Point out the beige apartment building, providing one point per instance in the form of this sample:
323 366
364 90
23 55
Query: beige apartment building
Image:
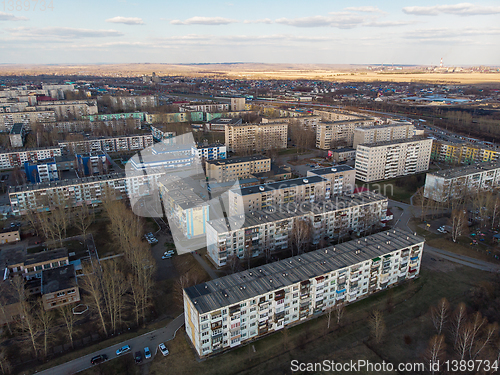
249 138
338 131
268 196
385 160
234 310
237 104
236 168
382 133
342 178
10 235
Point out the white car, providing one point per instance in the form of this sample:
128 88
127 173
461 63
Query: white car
163 349
169 252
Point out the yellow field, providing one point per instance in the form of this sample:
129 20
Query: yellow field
341 73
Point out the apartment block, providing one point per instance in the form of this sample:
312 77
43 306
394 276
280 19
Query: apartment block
160 132
212 107
296 191
462 152
108 144
7 120
184 207
237 104
92 164
219 124
342 178
338 131
233 310
69 109
248 138
9 235
236 168
385 160
133 103
30 266
452 183
333 116
17 135
211 152
383 133
41 171
117 116
12 159
59 287
168 118
86 190
271 230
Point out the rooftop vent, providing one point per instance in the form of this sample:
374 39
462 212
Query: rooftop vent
334 169
261 188
305 180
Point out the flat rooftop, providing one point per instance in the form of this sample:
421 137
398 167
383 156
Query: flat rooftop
17 128
385 126
329 170
243 159
466 170
395 142
241 286
344 149
60 278
257 218
282 185
45 256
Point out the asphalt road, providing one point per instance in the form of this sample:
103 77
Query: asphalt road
150 339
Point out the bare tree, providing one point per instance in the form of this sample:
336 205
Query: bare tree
457 321
377 325
339 311
301 235
84 218
464 339
439 314
5 296
69 321
114 287
435 351
458 224
91 283
28 323
5 365
46 320
489 332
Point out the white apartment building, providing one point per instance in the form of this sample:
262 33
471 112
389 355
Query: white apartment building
11 159
108 144
133 103
342 178
338 131
88 190
237 104
276 194
233 169
69 109
248 138
211 152
271 230
383 133
215 107
385 160
7 120
160 133
233 310
452 183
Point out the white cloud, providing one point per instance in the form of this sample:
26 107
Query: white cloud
366 9
338 20
264 20
60 32
462 9
10 17
388 23
126 20
204 21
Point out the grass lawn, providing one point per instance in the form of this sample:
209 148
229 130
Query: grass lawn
462 247
405 312
390 189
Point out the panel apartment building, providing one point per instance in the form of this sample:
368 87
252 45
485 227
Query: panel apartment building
265 232
108 144
263 197
339 131
383 133
249 138
462 152
230 311
69 109
88 190
452 183
385 160
342 177
236 168
7 120
12 159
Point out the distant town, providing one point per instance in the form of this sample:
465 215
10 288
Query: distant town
162 223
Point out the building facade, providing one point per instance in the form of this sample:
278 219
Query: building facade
59 287
236 168
230 311
344 154
237 104
453 183
249 138
382 133
385 160
108 144
7 120
211 152
328 133
13 159
265 232
342 178
41 171
462 152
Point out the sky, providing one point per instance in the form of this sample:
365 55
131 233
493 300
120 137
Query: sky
273 31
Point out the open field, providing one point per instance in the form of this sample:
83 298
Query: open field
327 72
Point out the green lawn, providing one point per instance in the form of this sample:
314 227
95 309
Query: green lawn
390 188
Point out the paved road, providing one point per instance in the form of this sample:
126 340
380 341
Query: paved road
150 339
401 221
206 267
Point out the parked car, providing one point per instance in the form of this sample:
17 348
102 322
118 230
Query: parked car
123 349
147 353
138 357
166 256
169 252
163 349
98 359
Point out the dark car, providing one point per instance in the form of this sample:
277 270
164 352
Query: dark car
98 359
138 357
